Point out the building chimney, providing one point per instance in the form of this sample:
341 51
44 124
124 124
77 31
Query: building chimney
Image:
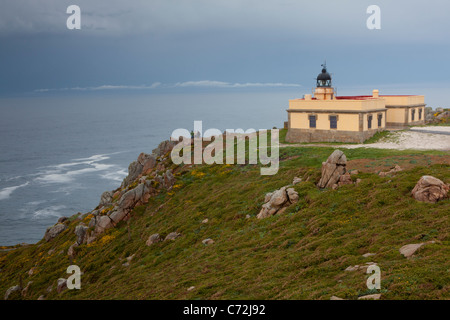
308 97
375 93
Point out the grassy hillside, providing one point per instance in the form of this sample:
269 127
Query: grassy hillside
300 254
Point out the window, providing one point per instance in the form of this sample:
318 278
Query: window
333 122
413 112
369 122
380 118
420 114
312 121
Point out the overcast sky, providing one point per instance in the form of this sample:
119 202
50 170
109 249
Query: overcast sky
164 45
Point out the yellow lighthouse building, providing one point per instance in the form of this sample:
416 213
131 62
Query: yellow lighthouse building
326 117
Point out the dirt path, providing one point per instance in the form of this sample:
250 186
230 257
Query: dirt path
401 140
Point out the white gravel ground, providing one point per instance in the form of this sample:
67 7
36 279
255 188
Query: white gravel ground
402 140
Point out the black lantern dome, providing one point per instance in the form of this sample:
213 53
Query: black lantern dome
324 78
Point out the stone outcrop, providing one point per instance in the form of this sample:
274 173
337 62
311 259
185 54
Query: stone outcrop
276 202
408 250
333 169
393 170
54 231
430 189
106 199
154 238
163 148
80 232
208 241
172 236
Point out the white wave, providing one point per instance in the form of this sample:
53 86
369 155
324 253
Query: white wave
115 175
58 176
95 157
5 193
49 211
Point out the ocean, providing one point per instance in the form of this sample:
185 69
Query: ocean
59 153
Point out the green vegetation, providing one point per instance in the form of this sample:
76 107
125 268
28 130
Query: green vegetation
300 254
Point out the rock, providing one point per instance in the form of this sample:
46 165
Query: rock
393 170
430 189
54 231
26 289
292 195
276 202
13 293
91 238
169 179
296 180
205 220
191 288
106 199
163 148
333 169
376 296
147 161
366 255
154 238
358 181
267 197
172 236
92 222
80 232
409 249
41 297
62 285
352 268
247 216
439 109
134 170
353 172
335 298
119 214
279 197
103 224
345 179
208 241
62 219
31 271
71 251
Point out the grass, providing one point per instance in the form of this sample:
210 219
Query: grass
300 254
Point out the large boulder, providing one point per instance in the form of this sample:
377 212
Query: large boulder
276 202
54 231
106 199
80 232
333 169
104 223
430 189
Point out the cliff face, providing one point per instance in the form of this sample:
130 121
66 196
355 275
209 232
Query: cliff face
192 232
